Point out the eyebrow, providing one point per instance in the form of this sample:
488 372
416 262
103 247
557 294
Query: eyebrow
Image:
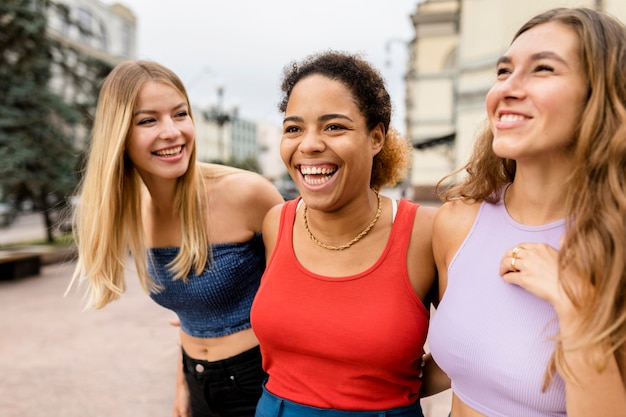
140 111
535 57
322 118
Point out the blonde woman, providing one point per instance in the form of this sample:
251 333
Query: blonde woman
193 231
531 246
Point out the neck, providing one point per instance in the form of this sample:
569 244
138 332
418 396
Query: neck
161 197
535 203
326 240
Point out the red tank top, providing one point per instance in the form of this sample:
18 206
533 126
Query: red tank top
347 343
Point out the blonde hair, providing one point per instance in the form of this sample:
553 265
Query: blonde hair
108 221
594 245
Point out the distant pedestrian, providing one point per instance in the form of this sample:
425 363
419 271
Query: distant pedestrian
342 311
531 245
192 229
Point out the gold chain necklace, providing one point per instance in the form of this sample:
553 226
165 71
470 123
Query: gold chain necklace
353 241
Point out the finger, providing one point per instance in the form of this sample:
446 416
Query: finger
508 265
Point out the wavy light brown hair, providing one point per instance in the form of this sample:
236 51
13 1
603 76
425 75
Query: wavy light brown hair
594 245
108 222
370 94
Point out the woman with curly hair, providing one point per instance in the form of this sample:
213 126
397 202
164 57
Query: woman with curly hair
531 245
341 314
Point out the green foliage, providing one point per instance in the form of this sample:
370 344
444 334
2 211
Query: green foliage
39 157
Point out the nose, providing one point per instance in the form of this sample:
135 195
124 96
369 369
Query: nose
311 142
168 129
512 87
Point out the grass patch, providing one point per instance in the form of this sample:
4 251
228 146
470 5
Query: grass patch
60 241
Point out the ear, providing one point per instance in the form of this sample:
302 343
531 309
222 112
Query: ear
377 136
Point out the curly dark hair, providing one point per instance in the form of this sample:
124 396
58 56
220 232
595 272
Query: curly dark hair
370 95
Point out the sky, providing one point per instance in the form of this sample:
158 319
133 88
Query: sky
243 45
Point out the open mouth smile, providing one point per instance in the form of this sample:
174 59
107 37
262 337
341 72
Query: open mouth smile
169 152
316 175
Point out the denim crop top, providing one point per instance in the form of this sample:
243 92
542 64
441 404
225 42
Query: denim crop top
216 302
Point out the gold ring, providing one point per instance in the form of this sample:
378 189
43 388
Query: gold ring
513 259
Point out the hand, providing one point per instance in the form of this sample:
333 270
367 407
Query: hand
181 400
534 267
434 380
425 358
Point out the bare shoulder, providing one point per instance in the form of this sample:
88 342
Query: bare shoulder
420 262
238 199
426 214
451 225
456 215
250 189
270 228
273 215
423 223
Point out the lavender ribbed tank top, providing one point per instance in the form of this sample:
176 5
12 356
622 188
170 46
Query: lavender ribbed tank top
492 338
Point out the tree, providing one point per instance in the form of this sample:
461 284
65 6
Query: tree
38 156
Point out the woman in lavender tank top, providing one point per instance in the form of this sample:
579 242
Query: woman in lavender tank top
541 208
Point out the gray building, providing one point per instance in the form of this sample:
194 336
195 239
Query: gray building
96 38
102 31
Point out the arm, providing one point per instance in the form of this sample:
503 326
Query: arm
267 203
181 395
254 197
420 262
434 380
600 393
270 230
592 391
423 272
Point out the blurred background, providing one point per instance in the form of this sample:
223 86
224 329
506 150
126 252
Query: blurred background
437 56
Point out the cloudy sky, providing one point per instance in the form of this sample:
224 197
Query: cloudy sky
243 45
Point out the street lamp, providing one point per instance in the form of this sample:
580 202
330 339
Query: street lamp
220 116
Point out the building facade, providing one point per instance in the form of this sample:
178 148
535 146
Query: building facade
102 31
96 37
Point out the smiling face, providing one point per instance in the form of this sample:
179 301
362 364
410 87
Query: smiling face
326 145
162 133
537 101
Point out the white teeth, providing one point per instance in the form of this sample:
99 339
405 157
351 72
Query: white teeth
326 173
511 118
316 181
170 152
316 171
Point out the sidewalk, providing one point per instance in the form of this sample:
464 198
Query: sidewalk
58 360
